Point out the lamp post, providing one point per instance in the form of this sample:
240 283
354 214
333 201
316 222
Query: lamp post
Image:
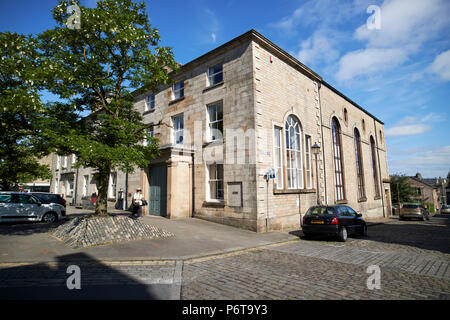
316 150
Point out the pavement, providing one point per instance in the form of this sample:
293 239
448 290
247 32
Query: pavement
31 243
210 261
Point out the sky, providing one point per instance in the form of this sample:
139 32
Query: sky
394 61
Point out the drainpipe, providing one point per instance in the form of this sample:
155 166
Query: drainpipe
125 198
319 84
379 168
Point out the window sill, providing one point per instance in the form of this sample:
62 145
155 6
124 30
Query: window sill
377 198
362 199
341 202
213 204
176 100
293 191
148 111
213 86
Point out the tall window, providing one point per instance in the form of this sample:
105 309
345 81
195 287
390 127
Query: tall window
150 133
337 155
294 153
58 162
308 162
85 185
215 112
65 162
278 157
74 158
112 185
150 102
359 165
215 181
178 90
178 126
70 187
215 74
374 167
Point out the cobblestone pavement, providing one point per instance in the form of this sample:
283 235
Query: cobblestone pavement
414 258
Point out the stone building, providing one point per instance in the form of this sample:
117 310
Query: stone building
247 111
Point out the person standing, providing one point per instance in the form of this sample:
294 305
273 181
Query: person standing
137 203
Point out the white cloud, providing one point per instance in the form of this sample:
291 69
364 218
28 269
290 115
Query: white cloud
318 47
405 27
369 61
407 130
413 125
431 163
213 37
441 65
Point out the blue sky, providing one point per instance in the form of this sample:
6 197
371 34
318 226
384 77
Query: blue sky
400 72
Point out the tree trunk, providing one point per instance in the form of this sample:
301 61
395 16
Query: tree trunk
101 207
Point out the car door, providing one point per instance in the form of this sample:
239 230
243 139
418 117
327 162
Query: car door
30 210
344 220
354 221
6 206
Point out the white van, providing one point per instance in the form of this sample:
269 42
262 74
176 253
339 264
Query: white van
19 206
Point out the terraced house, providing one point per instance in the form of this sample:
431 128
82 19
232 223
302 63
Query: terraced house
247 109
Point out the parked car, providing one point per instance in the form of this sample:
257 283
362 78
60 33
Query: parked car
337 220
413 211
49 198
445 209
19 206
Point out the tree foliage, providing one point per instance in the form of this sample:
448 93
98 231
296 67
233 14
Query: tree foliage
20 111
93 71
401 190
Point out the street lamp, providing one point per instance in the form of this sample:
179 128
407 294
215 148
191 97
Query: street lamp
316 150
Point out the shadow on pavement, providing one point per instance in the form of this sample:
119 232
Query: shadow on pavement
98 282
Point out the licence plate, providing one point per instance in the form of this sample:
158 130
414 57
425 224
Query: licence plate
317 222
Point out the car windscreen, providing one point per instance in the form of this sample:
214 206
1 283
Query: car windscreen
411 206
320 211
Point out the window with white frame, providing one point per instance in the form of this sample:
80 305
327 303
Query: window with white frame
112 185
215 181
150 133
85 185
58 162
70 187
278 157
308 162
215 74
150 102
178 90
74 158
178 126
294 153
337 155
215 112
65 162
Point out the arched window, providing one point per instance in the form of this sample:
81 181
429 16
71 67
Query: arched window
294 153
337 155
374 166
359 165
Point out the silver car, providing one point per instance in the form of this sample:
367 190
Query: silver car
18 206
445 209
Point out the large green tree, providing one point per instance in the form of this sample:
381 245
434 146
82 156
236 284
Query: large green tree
401 189
93 69
20 110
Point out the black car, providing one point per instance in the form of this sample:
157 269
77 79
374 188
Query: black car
51 198
337 220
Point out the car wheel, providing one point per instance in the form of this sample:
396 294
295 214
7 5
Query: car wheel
49 217
342 236
364 230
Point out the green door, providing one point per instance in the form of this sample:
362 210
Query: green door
157 180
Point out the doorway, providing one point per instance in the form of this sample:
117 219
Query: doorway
157 190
